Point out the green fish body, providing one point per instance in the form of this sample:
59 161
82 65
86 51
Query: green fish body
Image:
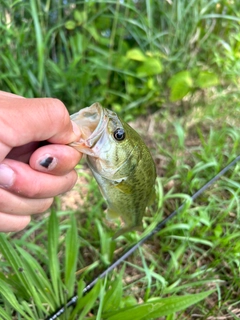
120 162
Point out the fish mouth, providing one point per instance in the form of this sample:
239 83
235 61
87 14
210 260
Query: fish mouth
91 121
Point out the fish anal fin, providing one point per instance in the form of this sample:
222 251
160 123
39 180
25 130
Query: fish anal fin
111 214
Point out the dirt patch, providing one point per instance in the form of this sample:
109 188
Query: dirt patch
75 198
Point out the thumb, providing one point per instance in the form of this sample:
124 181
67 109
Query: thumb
26 120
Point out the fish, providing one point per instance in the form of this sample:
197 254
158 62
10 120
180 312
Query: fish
120 162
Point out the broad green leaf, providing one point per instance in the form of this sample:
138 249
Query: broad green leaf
180 84
93 32
102 75
137 312
177 303
70 24
159 307
128 301
136 54
80 16
150 67
206 79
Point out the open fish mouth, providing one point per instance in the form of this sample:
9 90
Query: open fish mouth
91 121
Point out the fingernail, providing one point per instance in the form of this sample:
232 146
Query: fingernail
76 129
7 176
48 162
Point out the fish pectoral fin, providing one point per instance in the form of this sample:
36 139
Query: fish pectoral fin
111 214
124 186
81 147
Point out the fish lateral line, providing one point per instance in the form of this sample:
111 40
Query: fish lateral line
73 300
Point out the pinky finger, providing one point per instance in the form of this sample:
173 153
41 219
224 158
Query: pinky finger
12 222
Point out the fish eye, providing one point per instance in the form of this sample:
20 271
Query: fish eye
119 134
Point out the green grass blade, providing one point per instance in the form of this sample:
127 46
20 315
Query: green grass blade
53 238
113 296
15 262
25 270
107 245
87 302
38 279
71 255
8 295
193 240
39 40
4 314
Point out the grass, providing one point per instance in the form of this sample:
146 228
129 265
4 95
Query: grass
88 47
196 252
160 62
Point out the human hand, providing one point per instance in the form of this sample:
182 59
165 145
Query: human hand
31 174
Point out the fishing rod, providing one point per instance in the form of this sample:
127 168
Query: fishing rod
73 300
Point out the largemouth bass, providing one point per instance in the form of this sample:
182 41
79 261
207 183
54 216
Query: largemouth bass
120 162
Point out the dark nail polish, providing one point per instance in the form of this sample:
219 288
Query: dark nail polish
46 162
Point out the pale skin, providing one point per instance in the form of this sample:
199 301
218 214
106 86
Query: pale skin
31 174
